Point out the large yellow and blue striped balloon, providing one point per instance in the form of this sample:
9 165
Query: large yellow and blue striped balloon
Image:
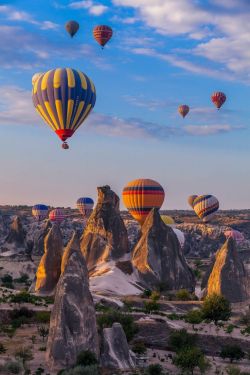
205 207
140 196
64 97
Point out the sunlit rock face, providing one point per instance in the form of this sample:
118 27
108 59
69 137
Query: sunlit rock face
73 320
158 258
16 234
49 268
228 276
115 350
105 236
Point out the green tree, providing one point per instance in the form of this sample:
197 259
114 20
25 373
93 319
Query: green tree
139 347
215 308
232 352
189 358
194 317
181 339
43 331
154 369
151 306
183 295
86 358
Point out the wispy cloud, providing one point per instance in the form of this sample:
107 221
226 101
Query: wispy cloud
93 8
205 130
151 105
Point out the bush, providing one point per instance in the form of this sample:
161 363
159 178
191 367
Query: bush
189 358
139 348
151 306
215 308
7 279
147 293
181 339
155 295
154 369
232 352
194 317
22 279
22 312
79 370
13 367
232 370
183 295
127 322
22 297
42 317
86 358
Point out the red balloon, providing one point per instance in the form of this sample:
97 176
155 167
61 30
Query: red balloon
183 110
102 34
218 98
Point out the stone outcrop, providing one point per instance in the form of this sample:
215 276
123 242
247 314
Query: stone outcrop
158 258
49 268
228 276
16 235
73 321
115 350
39 237
105 236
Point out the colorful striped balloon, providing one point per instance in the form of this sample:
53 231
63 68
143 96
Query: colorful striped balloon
191 199
102 34
85 205
40 211
205 207
140 196
235 234
183 110
57 215
218 98
64 98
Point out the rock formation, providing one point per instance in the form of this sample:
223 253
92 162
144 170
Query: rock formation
228 276
39 237
16 235
157 256
105 236
73 321
49 268
115 349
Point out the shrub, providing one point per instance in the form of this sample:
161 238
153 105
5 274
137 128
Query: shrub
42 317
127 322
232 370
22 297
147 293
151 306
181 339
215 308
183 295
139 347
43 331
154 369
7 279
194 317
22 279
155 296
189 358
13 367
22 312
232 352
86 358
79 370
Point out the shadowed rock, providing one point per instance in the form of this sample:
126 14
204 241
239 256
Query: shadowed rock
39 237
49 268
115 349
105 236
228 276
73 321
158 257
16 235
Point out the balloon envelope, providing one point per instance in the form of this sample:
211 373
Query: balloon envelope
64 97
235 234
102 34
40 211
35 77
218 98
206 206
57 215
72 27
85 205
183 110
168 220
140 196
191 199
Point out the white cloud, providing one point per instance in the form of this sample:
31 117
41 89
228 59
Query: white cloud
93 8
205 130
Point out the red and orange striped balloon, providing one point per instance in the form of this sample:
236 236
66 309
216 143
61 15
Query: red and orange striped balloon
102 34
140 196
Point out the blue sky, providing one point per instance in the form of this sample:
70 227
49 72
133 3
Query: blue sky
163 53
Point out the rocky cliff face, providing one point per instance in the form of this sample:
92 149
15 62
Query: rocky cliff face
39 237
158 258
228 276
105 236
115 349
49 268
16 234
73 321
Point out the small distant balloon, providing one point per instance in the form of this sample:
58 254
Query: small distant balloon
218 98
168 220
85 206
140 196
205 207
191 199
72 27
35 77
183 110
57 215
235 234
102 34
40 211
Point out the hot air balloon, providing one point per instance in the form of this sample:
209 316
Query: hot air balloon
183 110
65 146
85 206
64 99
72 27
205 207
140 196
102 34
181 236
40 211
218 98
57 215
35 77
168 220
191 199
235 234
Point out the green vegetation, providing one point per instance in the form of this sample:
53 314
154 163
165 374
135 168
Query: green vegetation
146 293
215 308
139 348
24 354
7 281
86 358
127 322
183 295
189 358
13 367
2 348
150 306
43 331
181 339
42 316
79 370
194 317
232 352
154 369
